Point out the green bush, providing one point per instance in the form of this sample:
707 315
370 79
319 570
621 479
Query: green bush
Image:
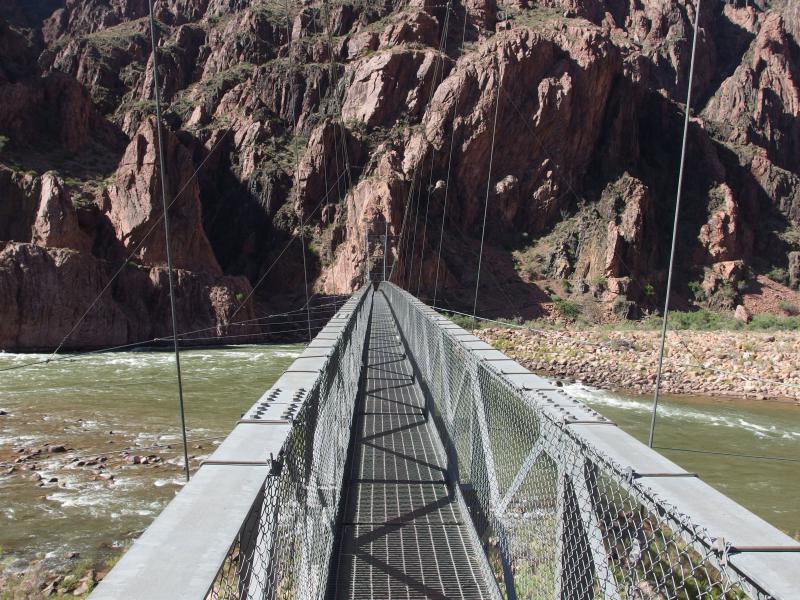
599 281
697 291
779 274
724 297
502 345
775 322
703 320
790 309
565 308
566 285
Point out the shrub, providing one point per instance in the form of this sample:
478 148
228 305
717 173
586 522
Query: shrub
565 308
790 309
775 322
724 297
566 285
464 321
599 281
704 320
697 290
779 274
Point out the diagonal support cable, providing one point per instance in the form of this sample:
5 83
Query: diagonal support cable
157 94
674 230
488 186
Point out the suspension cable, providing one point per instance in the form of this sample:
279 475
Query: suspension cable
162 167
327 306
674 229
449 164
293 101
488 185
438 73
282 252
406 274
337 103
139 245
410 271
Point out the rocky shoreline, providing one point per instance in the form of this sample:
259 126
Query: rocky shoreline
758 366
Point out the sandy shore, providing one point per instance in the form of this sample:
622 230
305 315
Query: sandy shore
763 366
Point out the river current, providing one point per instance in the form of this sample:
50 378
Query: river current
109 410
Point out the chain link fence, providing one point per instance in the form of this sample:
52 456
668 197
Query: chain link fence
564 504
285 547
556 516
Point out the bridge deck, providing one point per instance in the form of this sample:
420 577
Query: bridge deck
403 534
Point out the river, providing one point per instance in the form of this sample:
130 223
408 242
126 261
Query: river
99 405
747 449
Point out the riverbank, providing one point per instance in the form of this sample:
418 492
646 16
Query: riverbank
744 364
42 578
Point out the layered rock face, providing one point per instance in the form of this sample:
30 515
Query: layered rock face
341 120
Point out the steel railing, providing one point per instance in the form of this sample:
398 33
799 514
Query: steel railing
258 519
566 504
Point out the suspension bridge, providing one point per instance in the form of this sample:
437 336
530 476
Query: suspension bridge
401 457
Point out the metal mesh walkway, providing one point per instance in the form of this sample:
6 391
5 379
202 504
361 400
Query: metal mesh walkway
403 534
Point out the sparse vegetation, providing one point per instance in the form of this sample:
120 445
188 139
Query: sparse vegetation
502 345
698 293
598 282
790 309
779 275
724 297
37 581
566 309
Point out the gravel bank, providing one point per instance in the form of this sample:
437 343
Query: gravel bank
764 366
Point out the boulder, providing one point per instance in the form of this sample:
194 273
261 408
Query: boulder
741 314
794 270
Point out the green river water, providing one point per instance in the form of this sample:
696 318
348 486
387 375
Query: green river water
104 403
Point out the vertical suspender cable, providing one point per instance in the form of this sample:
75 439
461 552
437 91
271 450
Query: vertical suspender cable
407 274
488 187
293 100
449 166
410 276
436 72
157 94
674 229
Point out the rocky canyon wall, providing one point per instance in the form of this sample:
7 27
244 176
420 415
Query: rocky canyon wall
348 118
